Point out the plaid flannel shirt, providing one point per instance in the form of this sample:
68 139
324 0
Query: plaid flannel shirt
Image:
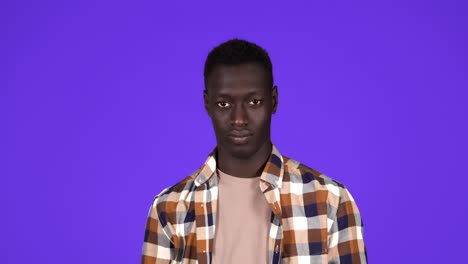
314 218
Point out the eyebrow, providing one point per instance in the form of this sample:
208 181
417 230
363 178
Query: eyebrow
248 94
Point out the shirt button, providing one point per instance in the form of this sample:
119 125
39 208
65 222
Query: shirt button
201 205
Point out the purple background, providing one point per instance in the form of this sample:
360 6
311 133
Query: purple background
101 107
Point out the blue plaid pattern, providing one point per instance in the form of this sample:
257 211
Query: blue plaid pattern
314 218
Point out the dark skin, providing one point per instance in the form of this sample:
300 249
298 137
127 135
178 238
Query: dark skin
240 102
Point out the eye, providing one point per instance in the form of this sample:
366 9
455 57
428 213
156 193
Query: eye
255 102
223 104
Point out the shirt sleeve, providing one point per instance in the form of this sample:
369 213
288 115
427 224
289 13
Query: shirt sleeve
345 236
156 245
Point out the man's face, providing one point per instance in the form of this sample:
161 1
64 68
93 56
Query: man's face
240 102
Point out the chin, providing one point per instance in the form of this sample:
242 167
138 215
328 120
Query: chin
242 152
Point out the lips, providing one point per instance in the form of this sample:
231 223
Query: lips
239 137
240 133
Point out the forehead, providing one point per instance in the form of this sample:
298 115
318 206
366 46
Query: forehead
251 77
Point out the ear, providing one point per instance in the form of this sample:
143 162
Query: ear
206 101
274 98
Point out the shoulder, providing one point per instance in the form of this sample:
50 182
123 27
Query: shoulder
312 180
167 199
307 174
316 188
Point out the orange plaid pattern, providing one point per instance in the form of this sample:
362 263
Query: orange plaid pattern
314 219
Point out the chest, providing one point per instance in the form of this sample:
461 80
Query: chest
296 230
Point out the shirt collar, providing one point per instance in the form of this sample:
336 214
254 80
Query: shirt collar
272 173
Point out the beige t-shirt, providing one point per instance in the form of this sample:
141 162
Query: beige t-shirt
242 223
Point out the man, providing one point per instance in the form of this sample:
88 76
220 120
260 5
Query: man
248 203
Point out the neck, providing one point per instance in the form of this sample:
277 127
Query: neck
241 167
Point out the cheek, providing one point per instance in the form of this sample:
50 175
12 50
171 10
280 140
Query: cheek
261 119
265 127
219 121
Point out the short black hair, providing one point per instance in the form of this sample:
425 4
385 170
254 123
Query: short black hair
237 51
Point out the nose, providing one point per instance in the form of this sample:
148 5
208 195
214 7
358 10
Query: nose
239 116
